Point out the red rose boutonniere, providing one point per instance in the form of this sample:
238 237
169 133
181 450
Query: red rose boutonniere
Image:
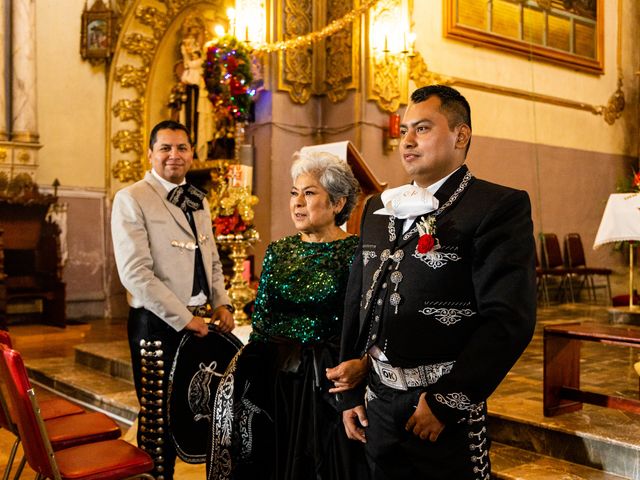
427 230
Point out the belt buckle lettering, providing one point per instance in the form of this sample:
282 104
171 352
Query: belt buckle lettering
392 376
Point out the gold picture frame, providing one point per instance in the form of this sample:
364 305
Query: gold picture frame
565 32
98 32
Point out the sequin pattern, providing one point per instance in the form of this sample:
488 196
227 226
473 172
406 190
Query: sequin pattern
302 289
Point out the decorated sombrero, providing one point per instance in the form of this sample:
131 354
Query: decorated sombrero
197 368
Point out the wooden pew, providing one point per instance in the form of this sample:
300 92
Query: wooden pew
32 274
561 384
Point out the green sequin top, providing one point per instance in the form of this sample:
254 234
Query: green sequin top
302 289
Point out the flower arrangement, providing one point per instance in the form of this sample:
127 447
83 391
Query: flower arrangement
228 77
629 184
427 231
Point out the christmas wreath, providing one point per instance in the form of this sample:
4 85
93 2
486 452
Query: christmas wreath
227 76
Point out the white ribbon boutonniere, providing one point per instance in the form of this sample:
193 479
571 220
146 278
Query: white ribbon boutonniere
407 201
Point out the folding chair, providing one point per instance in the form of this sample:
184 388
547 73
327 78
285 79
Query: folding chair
54 407
107 460
574 255
553 264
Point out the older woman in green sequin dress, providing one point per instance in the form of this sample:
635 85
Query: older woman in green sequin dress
273 415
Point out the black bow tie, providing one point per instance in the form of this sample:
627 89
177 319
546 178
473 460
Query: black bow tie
187 197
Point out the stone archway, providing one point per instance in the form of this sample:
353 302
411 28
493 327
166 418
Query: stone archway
140 79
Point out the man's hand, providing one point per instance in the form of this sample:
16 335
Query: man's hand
348 374
198 327
423 422
223 319
354 420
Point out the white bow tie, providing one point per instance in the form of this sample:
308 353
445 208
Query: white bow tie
407 201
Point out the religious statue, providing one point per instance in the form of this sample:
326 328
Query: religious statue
189 101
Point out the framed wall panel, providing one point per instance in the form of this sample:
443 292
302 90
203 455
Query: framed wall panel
565 32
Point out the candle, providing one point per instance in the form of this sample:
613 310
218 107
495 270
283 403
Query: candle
246 34
394 125
386 47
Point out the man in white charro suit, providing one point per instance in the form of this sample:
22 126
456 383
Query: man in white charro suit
168 262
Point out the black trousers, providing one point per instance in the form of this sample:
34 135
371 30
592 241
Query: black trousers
461 451
153 345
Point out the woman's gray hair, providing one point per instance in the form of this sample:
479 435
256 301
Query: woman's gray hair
333 173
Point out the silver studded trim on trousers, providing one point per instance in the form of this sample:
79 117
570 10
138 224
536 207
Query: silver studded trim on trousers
151 419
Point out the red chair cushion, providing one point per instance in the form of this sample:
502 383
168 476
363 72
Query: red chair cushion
56 407
110 460
65 432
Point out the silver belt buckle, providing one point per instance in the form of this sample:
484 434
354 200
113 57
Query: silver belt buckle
391 376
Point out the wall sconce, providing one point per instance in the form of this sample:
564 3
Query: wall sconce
390 47
251 22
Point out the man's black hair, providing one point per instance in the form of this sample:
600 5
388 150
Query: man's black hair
452 105
167 125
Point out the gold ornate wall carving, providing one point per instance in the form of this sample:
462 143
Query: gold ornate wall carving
326 66
342 49
144 25
296 66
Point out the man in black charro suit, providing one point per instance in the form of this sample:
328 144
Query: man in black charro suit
441 297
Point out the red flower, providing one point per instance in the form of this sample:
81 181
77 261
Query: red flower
425 243
636 180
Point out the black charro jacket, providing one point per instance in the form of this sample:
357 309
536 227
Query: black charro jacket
472 300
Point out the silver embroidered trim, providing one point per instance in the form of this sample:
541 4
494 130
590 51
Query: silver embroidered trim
392 228
459 401
448 316
222 425
435 259
369 395
463 185
368 255
245 411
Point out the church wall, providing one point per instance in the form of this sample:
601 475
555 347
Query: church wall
71 121
71 100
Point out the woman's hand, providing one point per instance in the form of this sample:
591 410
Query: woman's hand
348 374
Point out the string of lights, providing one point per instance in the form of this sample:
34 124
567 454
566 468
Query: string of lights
330 29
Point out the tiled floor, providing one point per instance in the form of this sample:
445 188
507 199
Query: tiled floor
604 368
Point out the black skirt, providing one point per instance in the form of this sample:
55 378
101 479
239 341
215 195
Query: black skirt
273 418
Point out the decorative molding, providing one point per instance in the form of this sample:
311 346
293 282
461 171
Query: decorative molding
153 18
128 141
126 109
420 74
342 49
133 77
295 72
141 45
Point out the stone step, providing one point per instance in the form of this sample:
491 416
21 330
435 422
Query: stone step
603 439
110 358
89 386
511 463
